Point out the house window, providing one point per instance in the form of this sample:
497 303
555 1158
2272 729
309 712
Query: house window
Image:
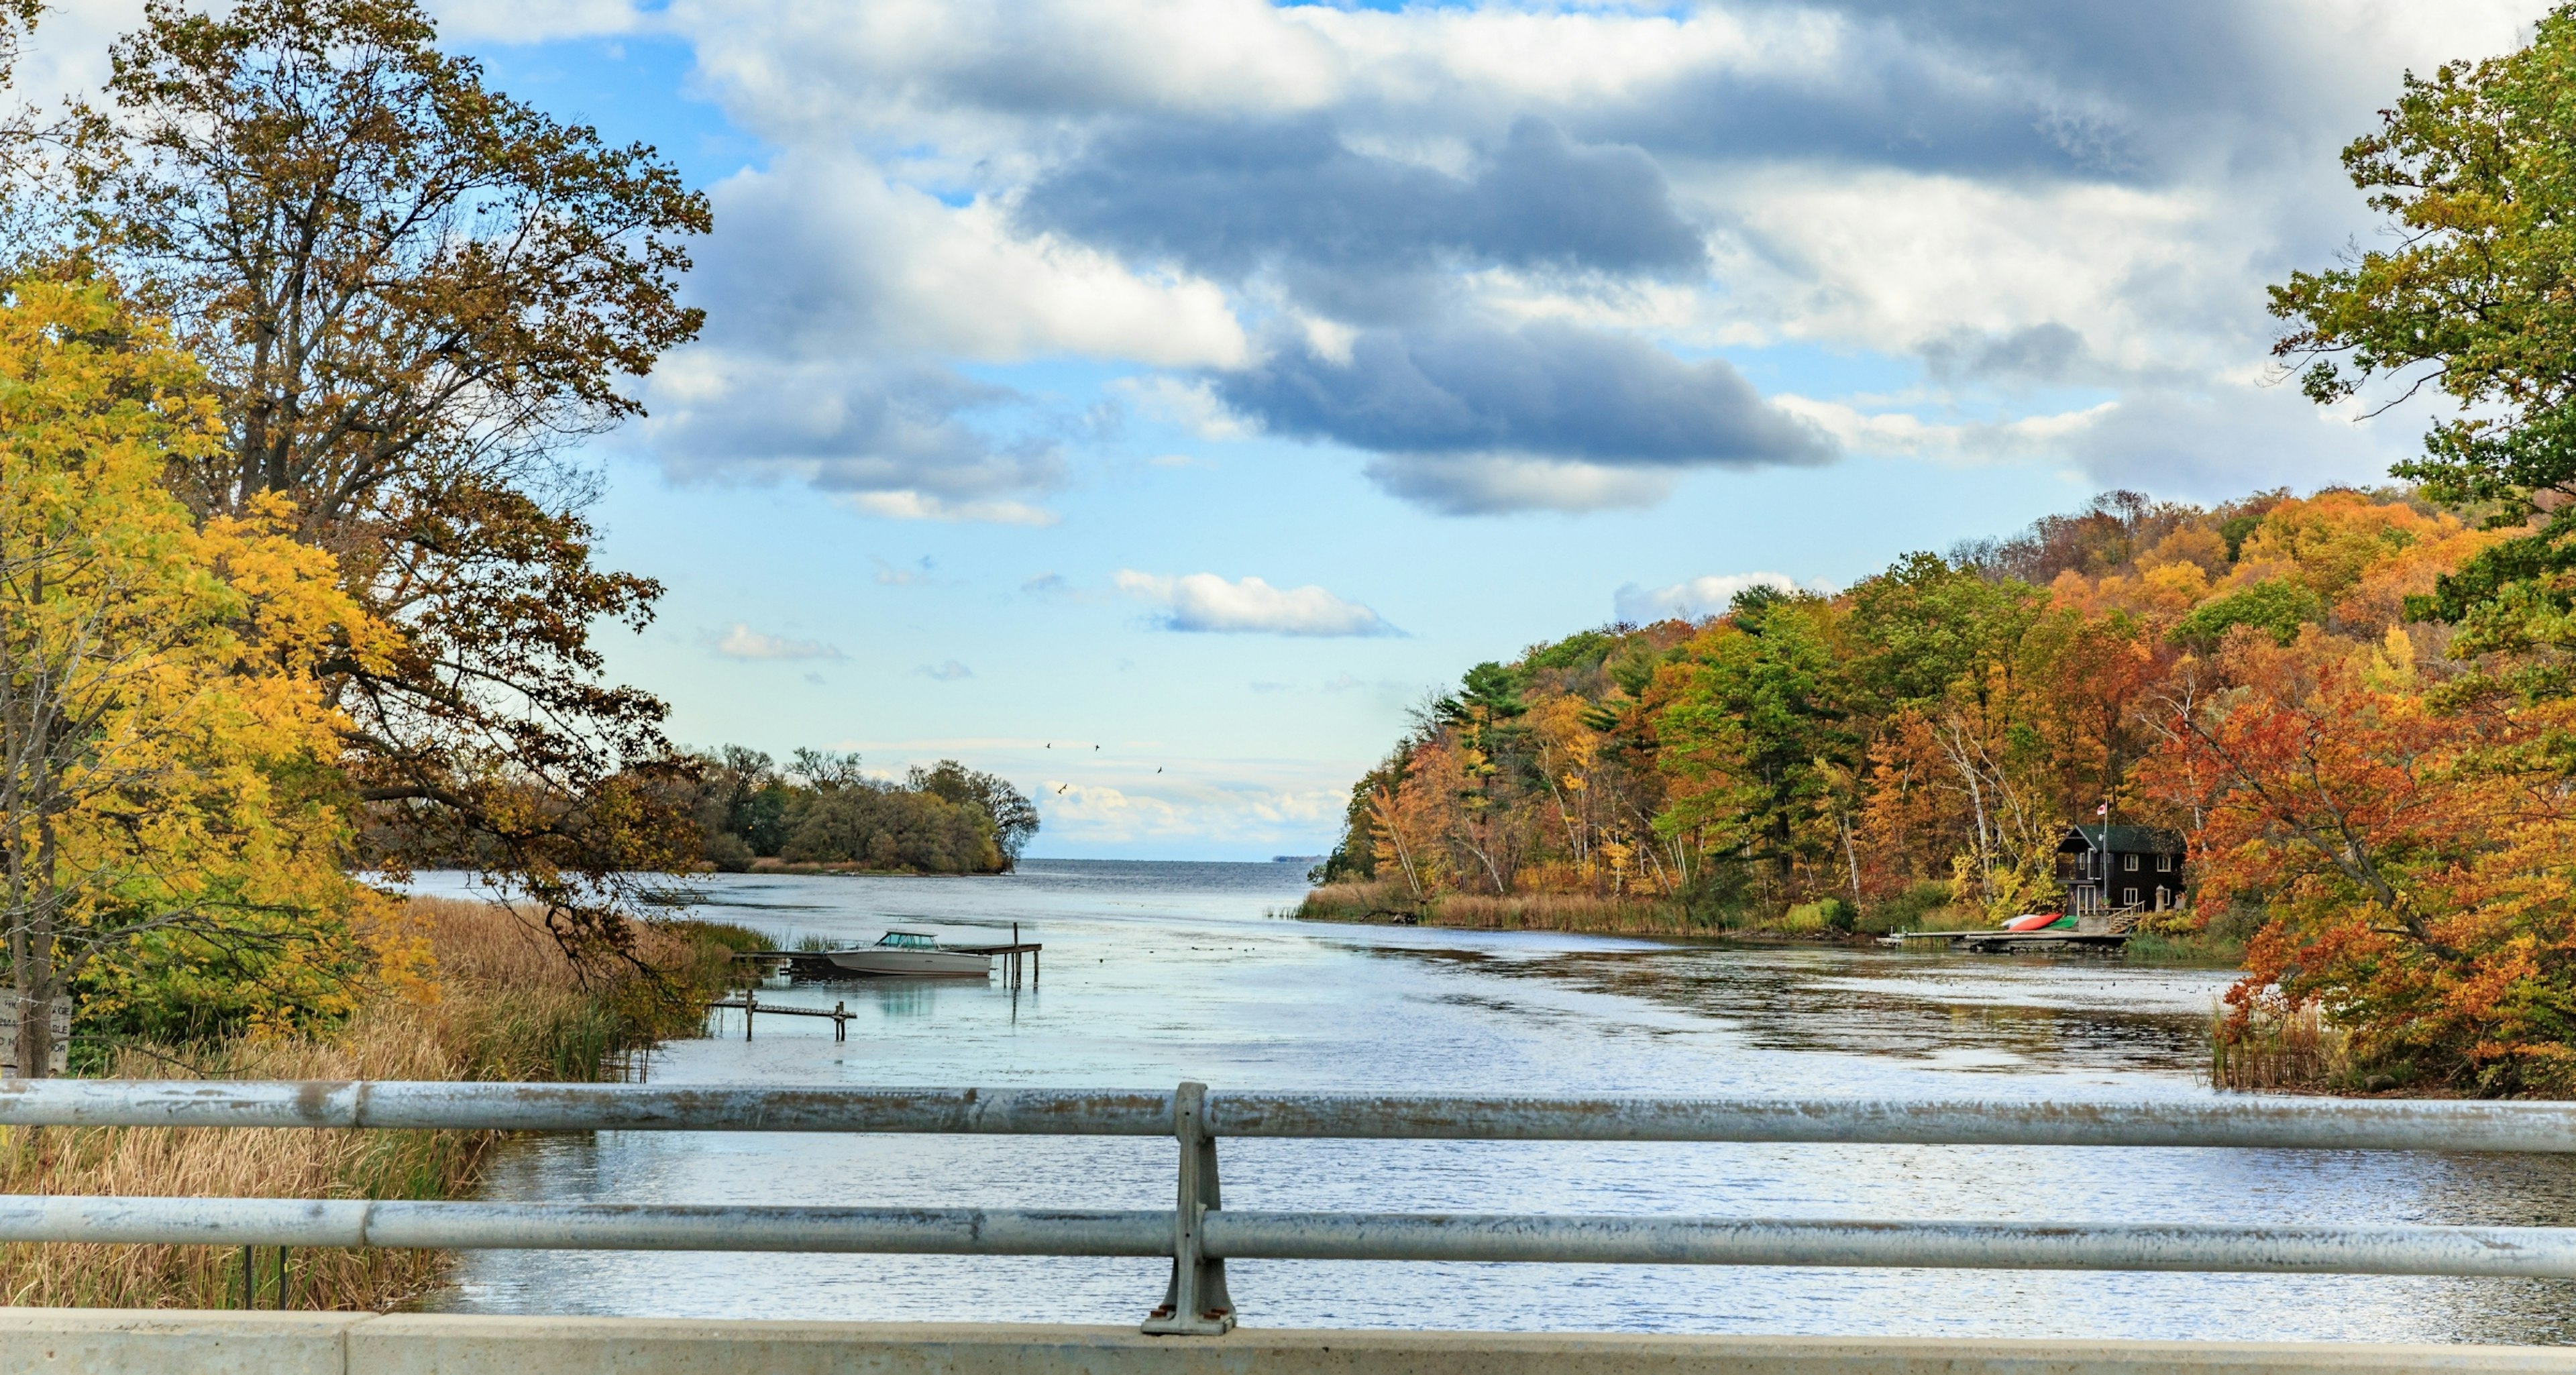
2129 897
2132 865
2164 864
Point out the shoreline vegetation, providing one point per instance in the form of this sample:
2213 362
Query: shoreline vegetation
2365 786
1640 915
500 1001
821 813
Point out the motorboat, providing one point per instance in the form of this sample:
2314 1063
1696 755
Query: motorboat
913 954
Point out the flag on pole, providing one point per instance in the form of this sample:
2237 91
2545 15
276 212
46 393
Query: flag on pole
2103 810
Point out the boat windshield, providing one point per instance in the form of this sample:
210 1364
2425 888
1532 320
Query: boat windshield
908 940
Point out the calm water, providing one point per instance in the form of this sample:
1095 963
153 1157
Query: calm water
1158 972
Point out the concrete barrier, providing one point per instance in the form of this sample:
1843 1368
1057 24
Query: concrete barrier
128 1342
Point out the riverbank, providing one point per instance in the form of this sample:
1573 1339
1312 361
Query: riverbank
504 1003
1577 913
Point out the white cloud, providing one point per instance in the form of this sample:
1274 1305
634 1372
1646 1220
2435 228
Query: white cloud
1192 405
1902 433
1495 484
821 254
743 642
1698 598
794 71
947 672
1103 814
534 21
911 505
1205 602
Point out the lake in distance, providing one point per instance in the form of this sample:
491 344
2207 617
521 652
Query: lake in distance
1158 972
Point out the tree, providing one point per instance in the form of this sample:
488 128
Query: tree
1014 817
2476 168
410 293
1758 730
2412 860
164 748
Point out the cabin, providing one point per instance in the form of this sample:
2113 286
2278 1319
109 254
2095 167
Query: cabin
2107 868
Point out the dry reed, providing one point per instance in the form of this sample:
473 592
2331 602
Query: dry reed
2298 1053
507 1004
1626 915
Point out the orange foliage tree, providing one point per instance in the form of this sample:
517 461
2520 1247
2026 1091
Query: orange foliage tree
2409 849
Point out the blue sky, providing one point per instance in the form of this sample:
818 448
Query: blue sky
1149 399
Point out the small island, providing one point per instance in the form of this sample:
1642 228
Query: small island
823 814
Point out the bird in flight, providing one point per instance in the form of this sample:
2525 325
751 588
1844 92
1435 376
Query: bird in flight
1158 769
1061 787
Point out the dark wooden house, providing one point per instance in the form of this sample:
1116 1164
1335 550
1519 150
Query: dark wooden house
2107 868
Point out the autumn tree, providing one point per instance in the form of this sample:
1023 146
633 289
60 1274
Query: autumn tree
1013 818
2411 860
411 294
1755 732
2474 170
165 789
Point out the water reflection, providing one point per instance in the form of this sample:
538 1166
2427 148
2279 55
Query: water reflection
904 998
1155 973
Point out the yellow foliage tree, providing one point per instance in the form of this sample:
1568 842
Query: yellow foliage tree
170 817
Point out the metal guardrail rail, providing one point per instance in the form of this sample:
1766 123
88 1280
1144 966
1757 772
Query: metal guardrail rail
1200 1235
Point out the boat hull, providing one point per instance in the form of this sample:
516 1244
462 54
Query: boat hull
878 962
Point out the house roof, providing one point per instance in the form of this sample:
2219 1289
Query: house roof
2127 840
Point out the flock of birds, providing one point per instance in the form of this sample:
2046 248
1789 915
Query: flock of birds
1060 787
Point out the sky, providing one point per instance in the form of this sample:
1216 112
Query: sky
1150 400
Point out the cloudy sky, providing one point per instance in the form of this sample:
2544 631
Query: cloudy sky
1147 399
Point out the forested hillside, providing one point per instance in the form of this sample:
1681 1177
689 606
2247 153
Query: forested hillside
2374 796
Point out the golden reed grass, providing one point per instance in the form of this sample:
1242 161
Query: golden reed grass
1632 916
506 1004
2298 1053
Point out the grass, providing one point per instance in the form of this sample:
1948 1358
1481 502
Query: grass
2185 948
2299 1053
506 1005
1383 902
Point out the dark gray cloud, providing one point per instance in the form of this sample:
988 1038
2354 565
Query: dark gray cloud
2016 88
851 428
1548 391
1228 199
2037 353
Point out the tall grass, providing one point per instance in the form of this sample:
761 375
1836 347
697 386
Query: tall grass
2299 1053
506 1005
1382 902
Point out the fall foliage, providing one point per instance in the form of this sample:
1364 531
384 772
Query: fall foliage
174 830
2371 808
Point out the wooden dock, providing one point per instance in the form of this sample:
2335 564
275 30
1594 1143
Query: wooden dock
749 1006
1998 942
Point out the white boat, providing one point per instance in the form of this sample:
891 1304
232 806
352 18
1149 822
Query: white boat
911 953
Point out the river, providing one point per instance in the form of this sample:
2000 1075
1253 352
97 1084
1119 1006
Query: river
1158 972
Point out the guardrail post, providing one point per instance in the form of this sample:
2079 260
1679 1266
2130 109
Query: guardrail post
1195 1303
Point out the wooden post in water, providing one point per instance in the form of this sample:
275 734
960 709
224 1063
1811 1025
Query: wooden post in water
750 997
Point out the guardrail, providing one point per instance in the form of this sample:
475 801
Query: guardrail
1200 1235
